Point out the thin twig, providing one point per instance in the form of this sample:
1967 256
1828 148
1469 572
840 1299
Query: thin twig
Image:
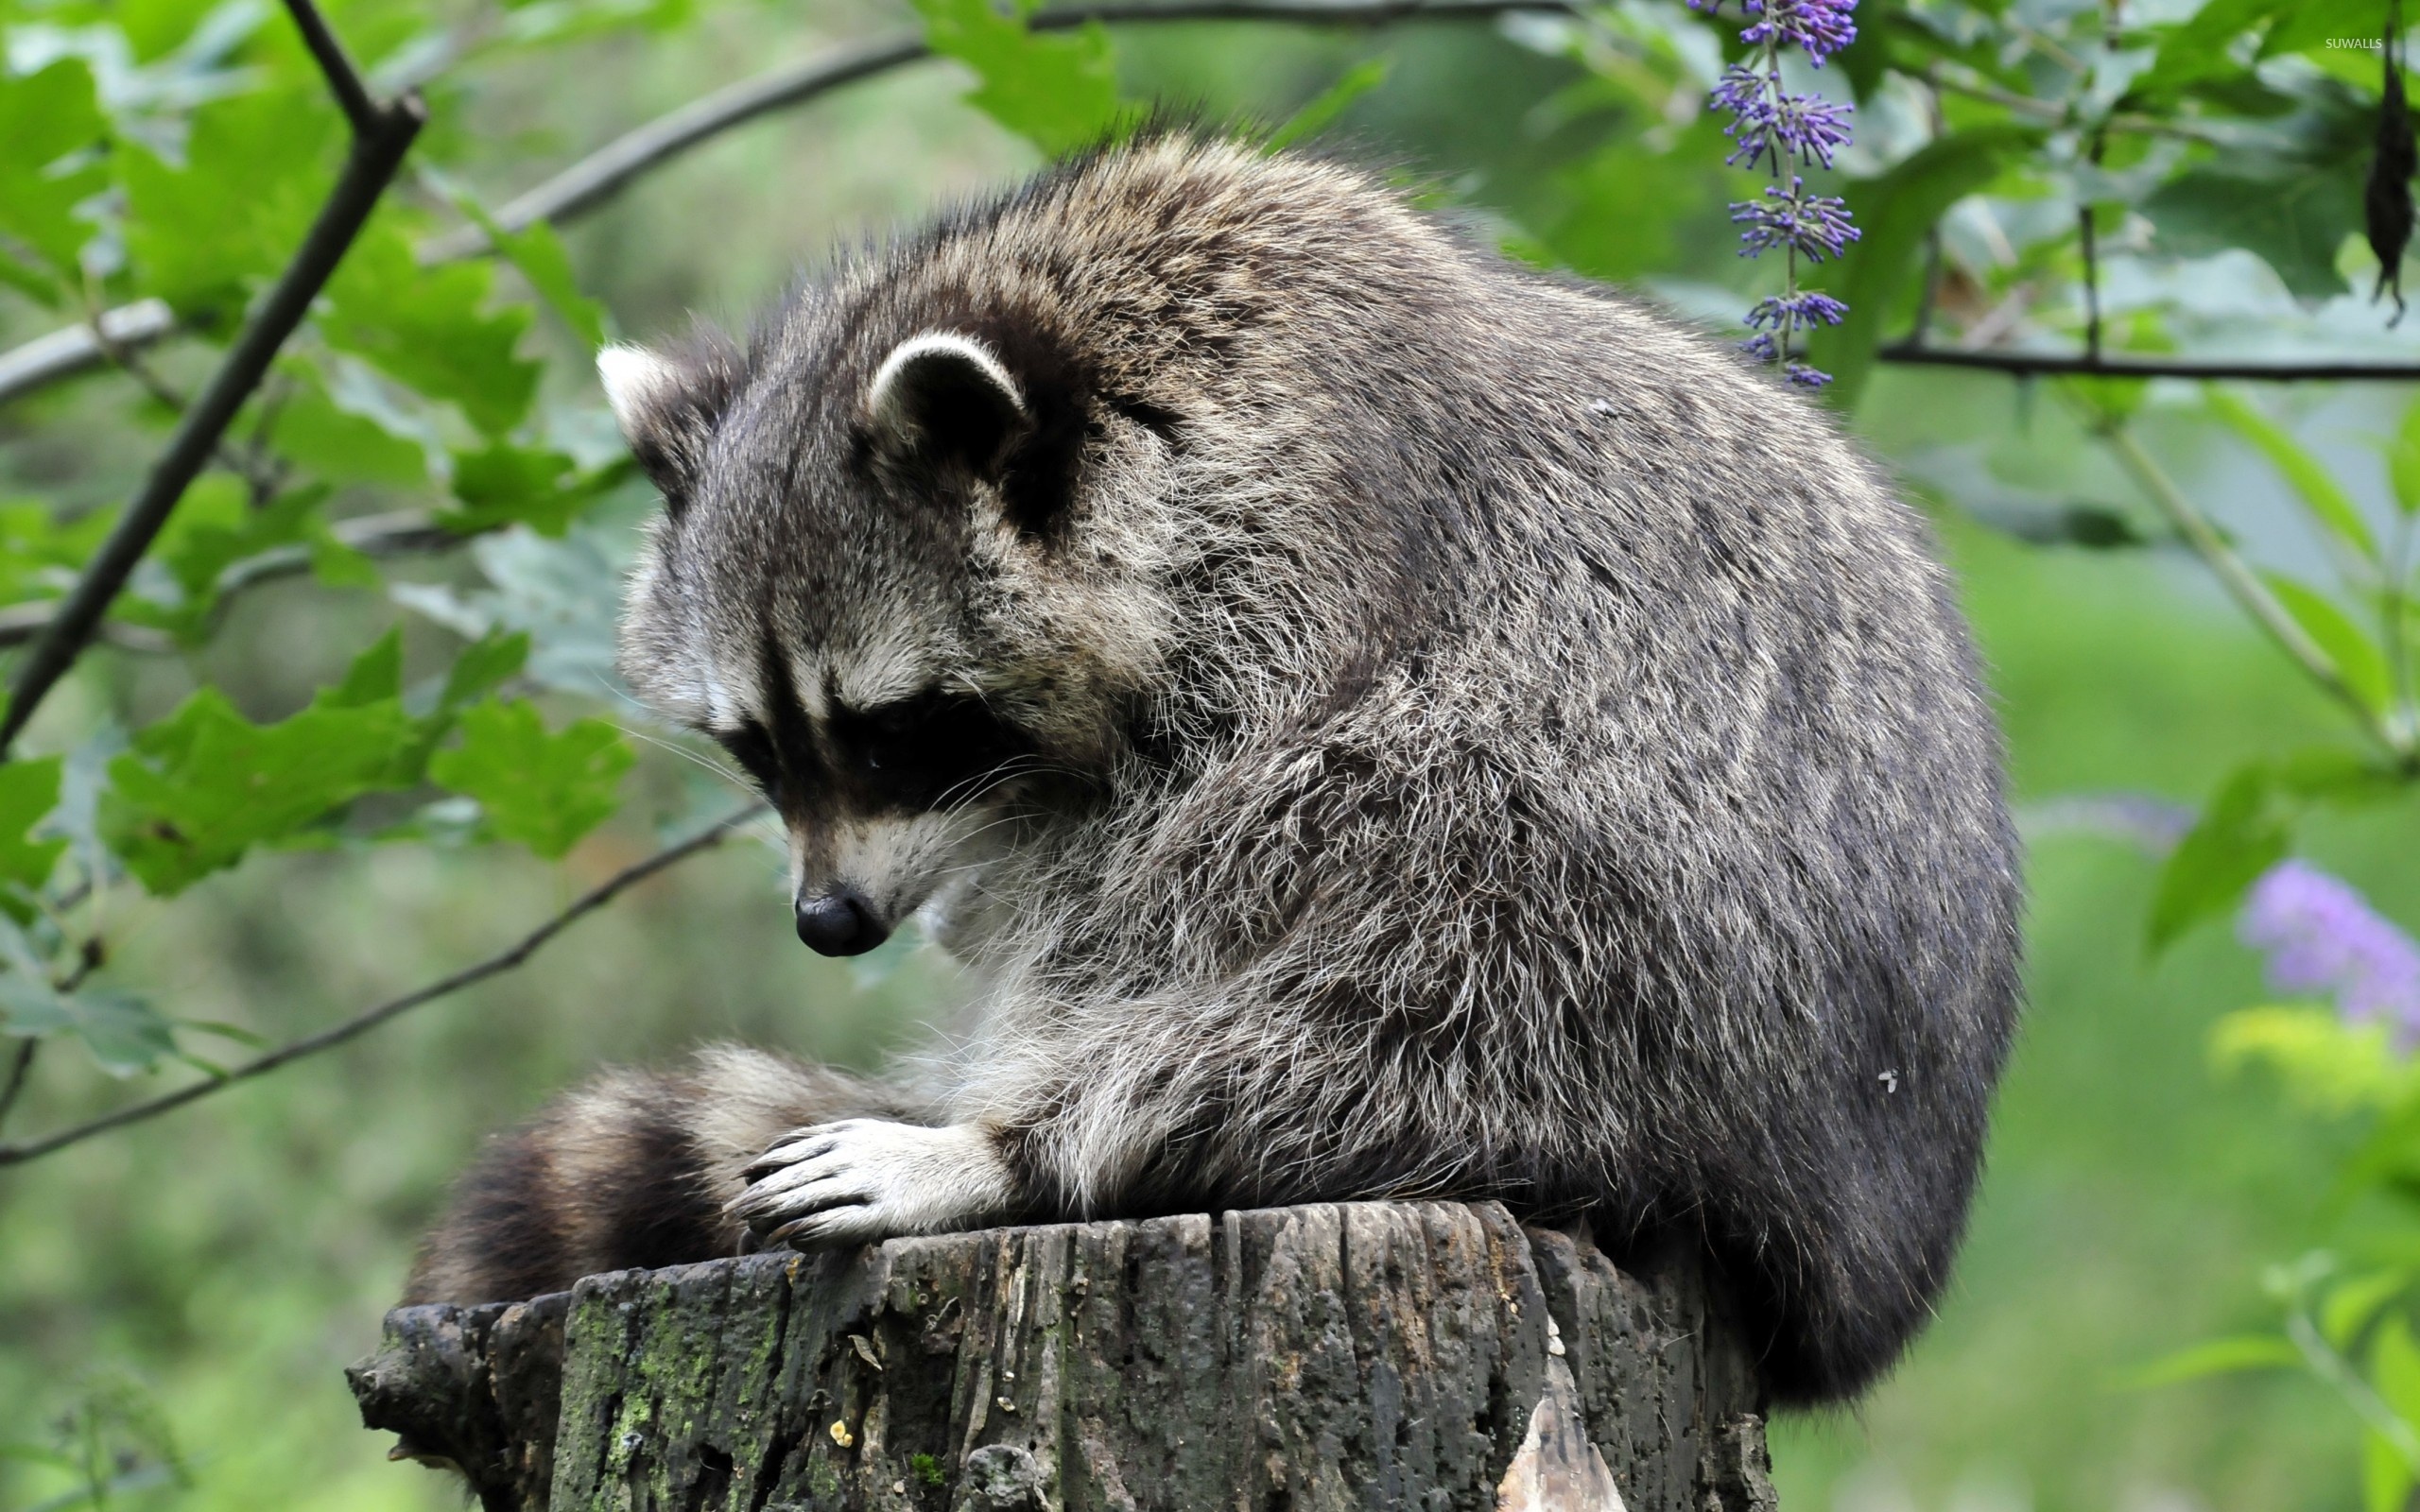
392 534
2058 113
2090 242
19 1066
2245 586
261 479
70 350
2051 364
368 1019
2334 1370
344 80
378 150
1928 292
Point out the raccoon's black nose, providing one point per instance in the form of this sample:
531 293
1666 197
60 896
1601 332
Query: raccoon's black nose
840 923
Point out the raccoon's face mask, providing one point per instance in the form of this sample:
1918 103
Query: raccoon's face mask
852 591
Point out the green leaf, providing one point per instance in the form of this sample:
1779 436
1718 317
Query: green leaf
2289 195
2403 460
216 526
200 788
2329 1066
40 556
428 328
1321 111
2394 1375
258 166
2219 1357
2358 662
2238 838
1587 219
2386 1475
507 485
2111 400
2353 1304
484 666
339 565
1057 91
377 675
539 255
317 433
37 1455
46 117
2201 47
28 791
1894 210
2317 485
2340 778
125 1034
544 791
2311 26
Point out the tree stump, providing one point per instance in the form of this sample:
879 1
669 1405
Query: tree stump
1366 1355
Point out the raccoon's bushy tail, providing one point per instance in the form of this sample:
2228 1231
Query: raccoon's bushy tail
630 1172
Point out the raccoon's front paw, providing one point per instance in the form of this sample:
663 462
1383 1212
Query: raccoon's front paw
863 1178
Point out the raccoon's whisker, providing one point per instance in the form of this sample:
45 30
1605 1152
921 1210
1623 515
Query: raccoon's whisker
990 780
686 753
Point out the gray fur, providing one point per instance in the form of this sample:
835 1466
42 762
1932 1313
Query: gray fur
1456 733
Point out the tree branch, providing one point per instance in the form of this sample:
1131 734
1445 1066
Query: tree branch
368 1019
344 81
381 139
2082 365
391 534
19 1066
70 350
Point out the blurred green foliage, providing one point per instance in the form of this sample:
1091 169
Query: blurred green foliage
354 722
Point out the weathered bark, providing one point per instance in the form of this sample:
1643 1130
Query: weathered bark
1366 1355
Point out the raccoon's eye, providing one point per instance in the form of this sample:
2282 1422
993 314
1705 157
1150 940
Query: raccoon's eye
928 749
752 748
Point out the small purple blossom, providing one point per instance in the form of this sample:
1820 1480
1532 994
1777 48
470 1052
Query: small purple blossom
1814 226
1817 27
1740 88
1771 124
2321 937
1779 311
1804 376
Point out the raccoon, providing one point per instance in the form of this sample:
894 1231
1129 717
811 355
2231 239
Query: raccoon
1376 720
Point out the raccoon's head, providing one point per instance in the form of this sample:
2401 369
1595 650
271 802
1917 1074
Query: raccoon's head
887 582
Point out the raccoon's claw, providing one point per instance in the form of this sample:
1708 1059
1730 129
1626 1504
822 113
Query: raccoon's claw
782 1156
863 1180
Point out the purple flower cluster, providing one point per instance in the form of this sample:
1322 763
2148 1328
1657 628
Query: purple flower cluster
2321 936
1781 129
1766 125
1817 27
1776 313
1814 226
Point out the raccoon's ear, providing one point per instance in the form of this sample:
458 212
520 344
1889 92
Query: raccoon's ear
943 397
669 405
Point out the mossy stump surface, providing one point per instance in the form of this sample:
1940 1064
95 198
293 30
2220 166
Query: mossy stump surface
1367 1355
